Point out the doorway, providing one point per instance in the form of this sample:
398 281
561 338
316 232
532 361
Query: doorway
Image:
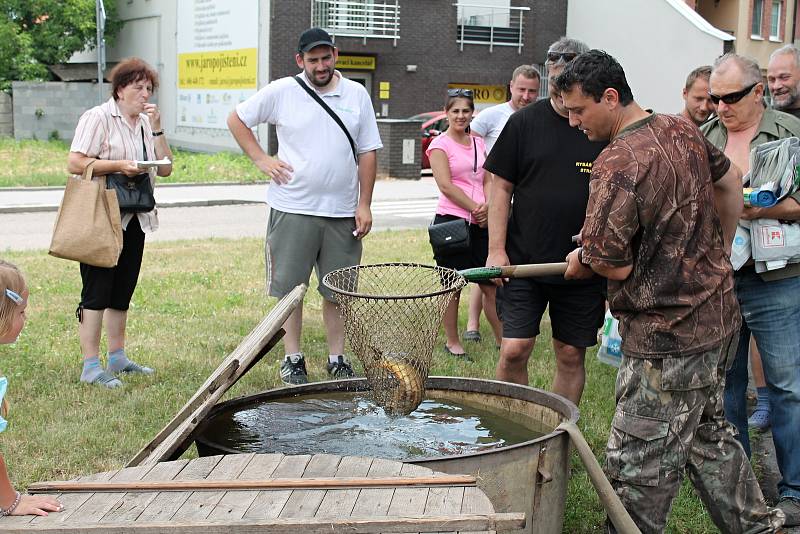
364 78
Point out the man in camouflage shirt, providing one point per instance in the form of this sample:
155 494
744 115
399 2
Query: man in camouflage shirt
660 201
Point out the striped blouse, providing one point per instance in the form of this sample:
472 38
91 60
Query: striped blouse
103 133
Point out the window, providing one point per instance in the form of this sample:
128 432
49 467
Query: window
775 20
758 15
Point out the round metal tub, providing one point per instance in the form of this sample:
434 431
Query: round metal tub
529 477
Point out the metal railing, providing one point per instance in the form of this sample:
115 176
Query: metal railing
368 19
490 25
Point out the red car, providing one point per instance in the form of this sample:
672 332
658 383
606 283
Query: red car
434 123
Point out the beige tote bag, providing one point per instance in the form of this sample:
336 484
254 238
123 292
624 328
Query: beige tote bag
88 228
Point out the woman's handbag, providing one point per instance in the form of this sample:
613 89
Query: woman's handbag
88 227
450 237
134 193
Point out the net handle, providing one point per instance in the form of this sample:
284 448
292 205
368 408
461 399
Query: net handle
479 274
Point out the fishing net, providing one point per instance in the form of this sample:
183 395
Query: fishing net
392 313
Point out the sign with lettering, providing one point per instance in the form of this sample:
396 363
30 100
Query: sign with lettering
217 59
355 62
483 94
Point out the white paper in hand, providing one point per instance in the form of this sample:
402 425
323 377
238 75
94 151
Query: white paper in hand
153 163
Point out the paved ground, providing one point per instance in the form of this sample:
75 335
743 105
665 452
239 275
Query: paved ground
198 212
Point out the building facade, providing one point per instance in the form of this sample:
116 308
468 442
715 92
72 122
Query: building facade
658 42
760 26
211 54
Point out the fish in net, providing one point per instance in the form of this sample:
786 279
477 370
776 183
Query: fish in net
392 313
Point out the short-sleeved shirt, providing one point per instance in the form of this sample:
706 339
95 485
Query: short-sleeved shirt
103 133
490 122
652 205
549 162
466 172
325 177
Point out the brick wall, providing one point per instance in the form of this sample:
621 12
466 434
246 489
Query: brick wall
394 132
428 40
6 115
46 109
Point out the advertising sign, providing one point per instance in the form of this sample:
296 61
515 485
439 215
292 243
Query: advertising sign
484 94
217 59
355 62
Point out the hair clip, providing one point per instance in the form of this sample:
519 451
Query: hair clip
14 296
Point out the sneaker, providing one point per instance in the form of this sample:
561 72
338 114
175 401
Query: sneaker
760 420
294 372
340 369
472 335
791 509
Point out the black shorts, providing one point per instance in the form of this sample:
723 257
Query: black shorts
576 310
478 247
113 287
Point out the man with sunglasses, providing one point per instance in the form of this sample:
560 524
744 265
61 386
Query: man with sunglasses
544 164
770 302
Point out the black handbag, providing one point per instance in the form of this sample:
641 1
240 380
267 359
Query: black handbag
450 237
134 193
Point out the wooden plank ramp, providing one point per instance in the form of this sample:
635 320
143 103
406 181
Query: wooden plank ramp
308 497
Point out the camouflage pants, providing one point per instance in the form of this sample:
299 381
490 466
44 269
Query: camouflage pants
669 419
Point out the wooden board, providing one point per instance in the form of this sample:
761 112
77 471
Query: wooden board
310 511
260 340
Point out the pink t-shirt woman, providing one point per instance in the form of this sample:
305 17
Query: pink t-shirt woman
466 172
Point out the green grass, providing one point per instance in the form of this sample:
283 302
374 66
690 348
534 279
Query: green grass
44 163
194 303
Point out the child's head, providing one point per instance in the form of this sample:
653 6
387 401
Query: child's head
13 301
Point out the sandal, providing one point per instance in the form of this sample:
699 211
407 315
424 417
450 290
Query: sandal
760 420
472 335
460 355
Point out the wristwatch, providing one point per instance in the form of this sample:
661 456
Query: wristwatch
160 132
580 257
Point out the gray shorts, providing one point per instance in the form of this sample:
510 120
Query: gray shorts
296 243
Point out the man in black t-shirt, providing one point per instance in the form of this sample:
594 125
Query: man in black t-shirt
544 164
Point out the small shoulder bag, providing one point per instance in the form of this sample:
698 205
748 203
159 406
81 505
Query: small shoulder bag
134 193
313 94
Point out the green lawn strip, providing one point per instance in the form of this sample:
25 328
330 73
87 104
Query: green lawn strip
32 163
194 303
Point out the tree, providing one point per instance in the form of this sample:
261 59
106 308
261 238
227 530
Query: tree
37 33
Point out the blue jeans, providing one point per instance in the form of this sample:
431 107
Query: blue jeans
771 311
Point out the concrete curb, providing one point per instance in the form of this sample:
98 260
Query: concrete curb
188 184
33 208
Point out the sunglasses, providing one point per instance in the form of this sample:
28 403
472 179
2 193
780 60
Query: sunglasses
732 98
566 57
467 93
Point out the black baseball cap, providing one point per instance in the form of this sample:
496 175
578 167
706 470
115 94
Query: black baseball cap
314 37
